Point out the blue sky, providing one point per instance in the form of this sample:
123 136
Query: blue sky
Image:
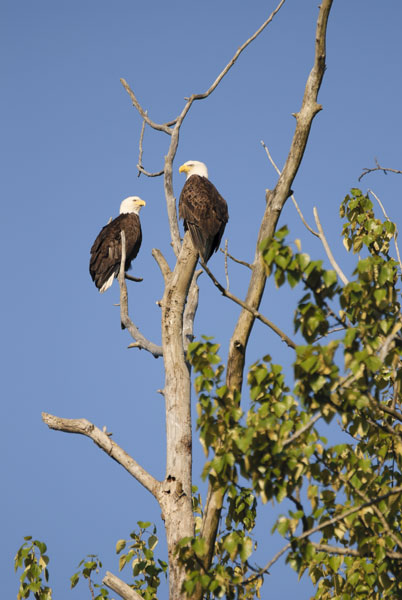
69 147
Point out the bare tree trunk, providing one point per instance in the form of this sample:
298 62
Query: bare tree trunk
175 499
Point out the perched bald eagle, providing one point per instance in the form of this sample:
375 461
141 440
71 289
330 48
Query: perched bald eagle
104 264
202 208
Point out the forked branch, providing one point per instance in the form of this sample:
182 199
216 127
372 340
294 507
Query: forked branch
172 128
378 167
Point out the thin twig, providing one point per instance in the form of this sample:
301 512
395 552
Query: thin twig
302 430
350 551
165 127
388 341
385 170
254 312
396 230
140 341
131 278
139 164
236 260
386 409
329 332
148 174
327 249
226 266
292 196
237 54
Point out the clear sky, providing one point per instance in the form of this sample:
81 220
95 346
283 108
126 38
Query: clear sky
69 147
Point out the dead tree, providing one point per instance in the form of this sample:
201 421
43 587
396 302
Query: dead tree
179 305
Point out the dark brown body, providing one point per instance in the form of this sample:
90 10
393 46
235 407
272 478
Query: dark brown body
106 249
204 213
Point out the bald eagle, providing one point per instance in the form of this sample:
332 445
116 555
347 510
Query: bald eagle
202 208
104 264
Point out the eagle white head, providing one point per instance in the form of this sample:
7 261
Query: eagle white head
132 204
194 167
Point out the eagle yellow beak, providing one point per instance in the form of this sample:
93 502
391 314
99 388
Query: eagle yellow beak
141 203
183 168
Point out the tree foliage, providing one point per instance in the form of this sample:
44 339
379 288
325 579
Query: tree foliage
33 561
342 515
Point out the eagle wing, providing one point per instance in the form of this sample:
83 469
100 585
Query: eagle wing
204 213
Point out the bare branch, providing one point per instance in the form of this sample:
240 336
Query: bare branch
190 311
236 260
101 439
386 409
327 249
252 310
276 200
302 430
237 54
396 230
140 341
388 341
120 587
226 266
378 168
165 127
349 551
329 332
131 278
292 196
162 264
172 128
148 174
139 164
168 186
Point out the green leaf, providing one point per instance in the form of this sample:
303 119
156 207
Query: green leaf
329 277
335 562
283 525
120 545
200 547
152 542
373 363
246 549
